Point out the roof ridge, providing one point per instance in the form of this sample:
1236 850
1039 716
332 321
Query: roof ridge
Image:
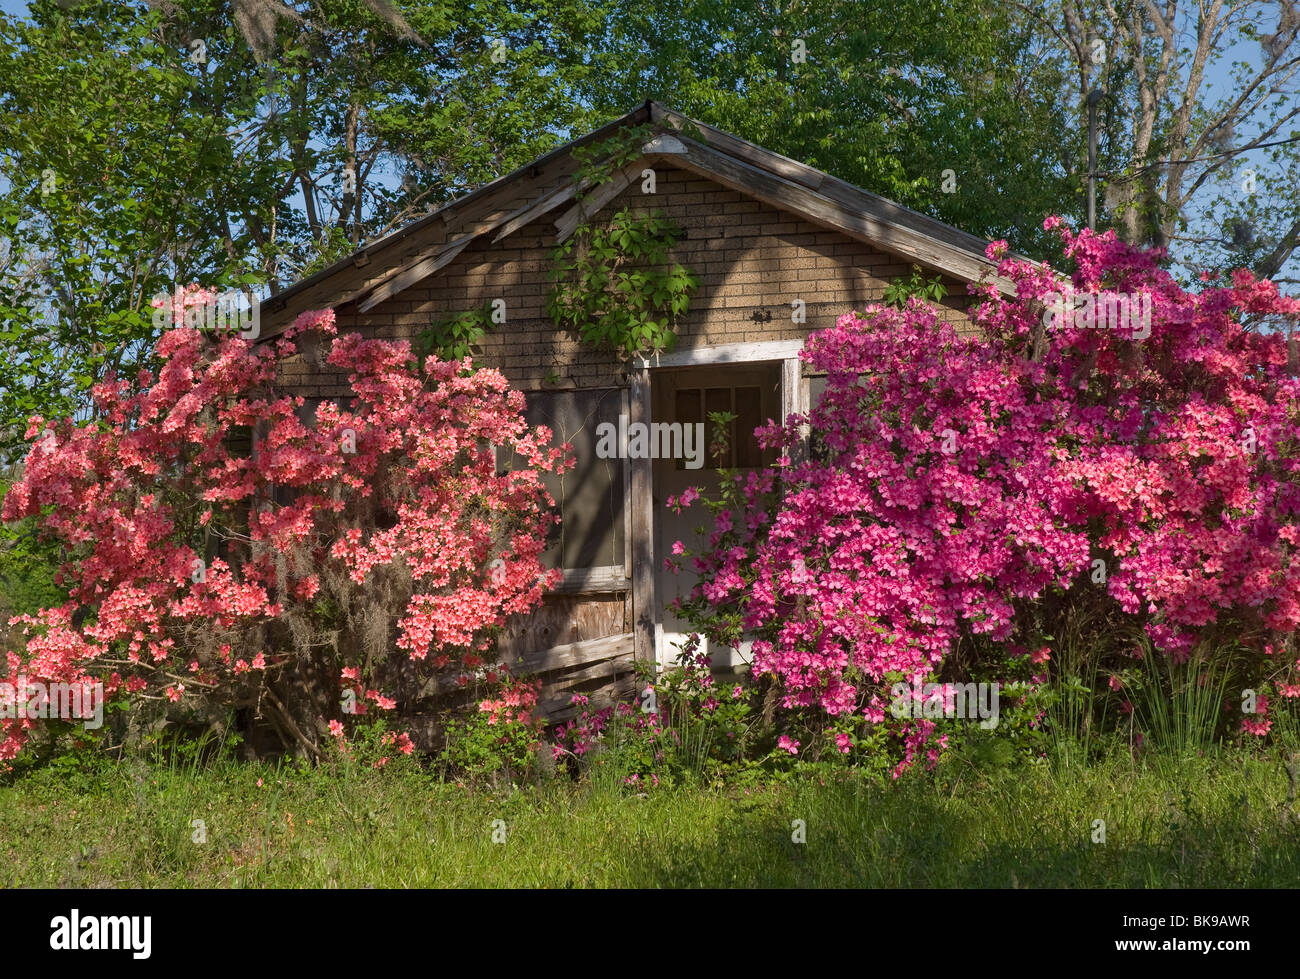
782 182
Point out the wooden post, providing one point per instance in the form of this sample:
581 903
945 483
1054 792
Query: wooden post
624 408
641 545
794 400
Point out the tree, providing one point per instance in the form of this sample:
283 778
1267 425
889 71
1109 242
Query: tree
116 183
285 580
1201 126
887 98
238 145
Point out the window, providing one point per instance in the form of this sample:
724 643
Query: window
694 405
589 496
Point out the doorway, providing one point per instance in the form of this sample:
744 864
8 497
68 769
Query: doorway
687 396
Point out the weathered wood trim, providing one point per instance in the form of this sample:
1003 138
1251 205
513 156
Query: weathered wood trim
535 210
605 668
728 353
816 180
856 222
586 581
505 222
602 194
794 401
729 160
743 149
540 178
324 288
627 501
641 541
412 274
584 653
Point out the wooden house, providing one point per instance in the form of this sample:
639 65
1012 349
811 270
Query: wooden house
765 235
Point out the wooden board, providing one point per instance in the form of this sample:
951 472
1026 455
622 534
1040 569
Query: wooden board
728 353
410 274
536 209
591 204
584 653
578 581
562 620
641 503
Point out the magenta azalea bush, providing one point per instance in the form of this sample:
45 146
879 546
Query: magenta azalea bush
1107 437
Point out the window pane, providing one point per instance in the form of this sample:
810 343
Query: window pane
719 399
749 408
590 496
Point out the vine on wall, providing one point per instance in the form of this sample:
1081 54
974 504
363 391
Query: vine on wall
900 290
615 283
457 336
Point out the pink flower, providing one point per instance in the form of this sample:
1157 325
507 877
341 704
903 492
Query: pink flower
336 729
786 744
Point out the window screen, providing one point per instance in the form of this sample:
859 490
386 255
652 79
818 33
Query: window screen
746 403
590 496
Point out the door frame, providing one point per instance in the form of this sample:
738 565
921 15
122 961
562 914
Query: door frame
794 398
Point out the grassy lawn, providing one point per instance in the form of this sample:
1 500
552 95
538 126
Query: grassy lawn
1199 823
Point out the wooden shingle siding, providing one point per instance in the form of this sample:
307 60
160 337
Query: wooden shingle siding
752 261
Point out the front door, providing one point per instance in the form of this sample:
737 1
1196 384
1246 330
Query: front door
687 396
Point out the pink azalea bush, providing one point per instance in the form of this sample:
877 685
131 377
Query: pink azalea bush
503 735
972 488
375 543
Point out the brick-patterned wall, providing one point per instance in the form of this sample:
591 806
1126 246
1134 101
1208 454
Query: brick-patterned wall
752 260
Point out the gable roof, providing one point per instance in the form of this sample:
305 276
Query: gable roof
508 203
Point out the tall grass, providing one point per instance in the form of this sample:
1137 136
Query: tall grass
1180 705
1080 709
294 827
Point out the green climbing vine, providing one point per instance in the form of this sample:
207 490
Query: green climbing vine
898 292
615 283
456 336
597 162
